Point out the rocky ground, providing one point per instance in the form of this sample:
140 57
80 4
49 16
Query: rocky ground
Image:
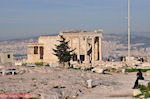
60 83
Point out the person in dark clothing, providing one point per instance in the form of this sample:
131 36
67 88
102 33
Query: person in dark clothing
69 65
139 77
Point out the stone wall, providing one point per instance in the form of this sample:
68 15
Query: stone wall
49 44
32 58
6 57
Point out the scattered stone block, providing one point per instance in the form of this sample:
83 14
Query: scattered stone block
31 65
123 71
73 97
136 92
147 73
13 72
3 72
83 68
98 70
54 65
18 63
42 96
145 64
89 83
144 82
142 97
22 72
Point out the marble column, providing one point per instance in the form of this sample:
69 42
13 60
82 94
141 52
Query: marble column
96 49
71 47
100 49
85 51
39 50
93 50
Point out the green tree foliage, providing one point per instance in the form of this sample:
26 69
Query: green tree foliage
63 51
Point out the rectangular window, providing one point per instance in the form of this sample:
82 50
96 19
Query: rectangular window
82 57
74 57
8 56
36 50
41 52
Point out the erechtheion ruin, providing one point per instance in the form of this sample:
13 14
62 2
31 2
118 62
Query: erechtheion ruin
87 47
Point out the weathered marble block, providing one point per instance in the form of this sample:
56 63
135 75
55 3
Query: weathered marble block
98 70
89 83
144 82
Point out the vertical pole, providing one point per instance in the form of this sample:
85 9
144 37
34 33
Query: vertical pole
79 48
128 29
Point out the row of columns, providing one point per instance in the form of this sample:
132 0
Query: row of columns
86 48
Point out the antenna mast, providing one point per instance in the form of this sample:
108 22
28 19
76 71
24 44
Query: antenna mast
128 29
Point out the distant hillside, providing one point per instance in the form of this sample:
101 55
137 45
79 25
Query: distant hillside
116 45
27 38
139 38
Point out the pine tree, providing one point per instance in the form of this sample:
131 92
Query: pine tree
63 51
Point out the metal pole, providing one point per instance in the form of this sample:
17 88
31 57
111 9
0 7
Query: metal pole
128 29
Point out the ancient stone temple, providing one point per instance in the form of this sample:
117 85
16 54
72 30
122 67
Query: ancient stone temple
87 45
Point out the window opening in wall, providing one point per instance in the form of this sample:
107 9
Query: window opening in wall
8 56
75 57
41 52
82 57
36 50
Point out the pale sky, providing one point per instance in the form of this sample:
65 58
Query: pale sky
26 18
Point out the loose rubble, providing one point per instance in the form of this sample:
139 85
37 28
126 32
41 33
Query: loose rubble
60 83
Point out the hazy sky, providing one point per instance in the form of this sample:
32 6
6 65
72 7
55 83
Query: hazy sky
25 18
